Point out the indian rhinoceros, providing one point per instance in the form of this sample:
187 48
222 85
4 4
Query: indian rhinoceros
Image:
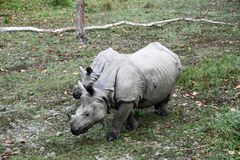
142 79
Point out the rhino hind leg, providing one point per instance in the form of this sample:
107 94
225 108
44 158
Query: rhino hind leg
132 123
162 107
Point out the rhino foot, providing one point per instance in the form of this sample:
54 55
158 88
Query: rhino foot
162 107
161 112
132 126
111 136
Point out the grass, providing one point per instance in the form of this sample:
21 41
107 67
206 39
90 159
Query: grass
39 71
211 73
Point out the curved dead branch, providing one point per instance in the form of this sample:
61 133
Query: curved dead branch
112 25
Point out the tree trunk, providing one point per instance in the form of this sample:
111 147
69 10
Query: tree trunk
80 21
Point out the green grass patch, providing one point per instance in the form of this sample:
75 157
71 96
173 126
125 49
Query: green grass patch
211 73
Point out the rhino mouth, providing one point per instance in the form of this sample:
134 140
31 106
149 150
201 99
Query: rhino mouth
79 131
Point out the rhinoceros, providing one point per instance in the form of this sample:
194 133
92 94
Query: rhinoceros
142 79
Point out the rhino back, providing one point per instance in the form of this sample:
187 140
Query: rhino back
160 68
102 59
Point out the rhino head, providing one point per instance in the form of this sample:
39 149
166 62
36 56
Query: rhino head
93 109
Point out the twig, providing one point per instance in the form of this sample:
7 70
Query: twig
208 10
128 23
194 148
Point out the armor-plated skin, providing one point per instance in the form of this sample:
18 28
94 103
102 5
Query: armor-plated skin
98 65
142 79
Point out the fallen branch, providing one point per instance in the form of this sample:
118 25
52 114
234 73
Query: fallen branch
72 29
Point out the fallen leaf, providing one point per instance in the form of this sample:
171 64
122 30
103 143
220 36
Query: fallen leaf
75 73
16 151
9 141
22 70
198 103
238 86
231 152
202 152
44 71
186 95
42 149
174 95
233 110
4 157
195 93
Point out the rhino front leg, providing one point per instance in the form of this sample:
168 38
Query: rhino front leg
162 107
132 123
120 117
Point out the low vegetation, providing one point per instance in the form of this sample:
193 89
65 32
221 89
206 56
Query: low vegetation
39 71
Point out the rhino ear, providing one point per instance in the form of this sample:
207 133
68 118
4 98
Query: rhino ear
89 70
90 89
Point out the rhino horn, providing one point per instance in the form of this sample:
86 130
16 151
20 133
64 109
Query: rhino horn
81 87
82 71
